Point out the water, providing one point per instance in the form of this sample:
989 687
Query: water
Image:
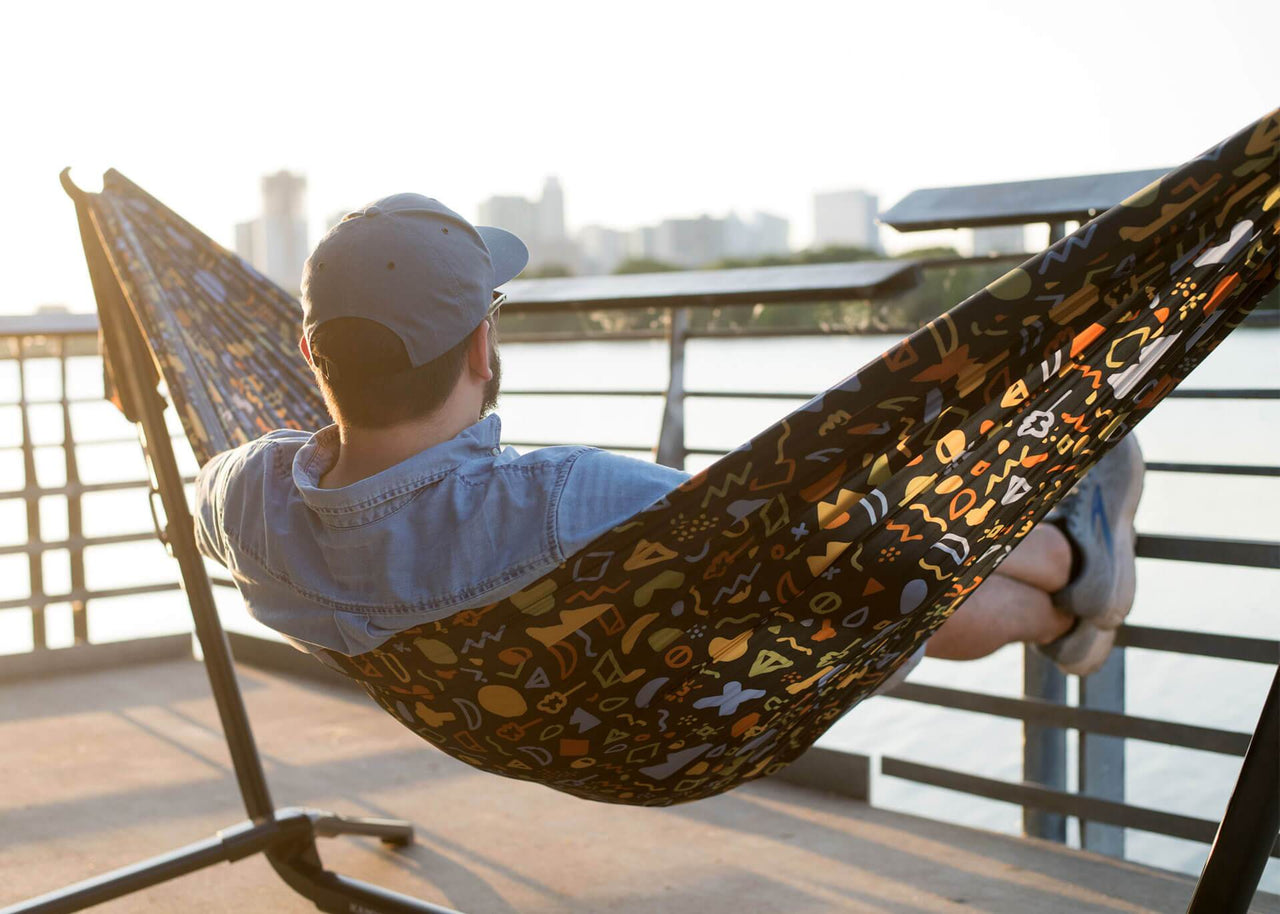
1191 690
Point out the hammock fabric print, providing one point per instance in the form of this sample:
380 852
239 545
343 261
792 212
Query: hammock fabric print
714 637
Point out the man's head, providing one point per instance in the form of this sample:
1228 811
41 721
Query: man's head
399 311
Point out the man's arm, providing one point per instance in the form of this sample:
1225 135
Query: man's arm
211 492
603 490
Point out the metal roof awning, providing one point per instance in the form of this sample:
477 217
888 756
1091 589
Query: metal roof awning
1017 202
750 285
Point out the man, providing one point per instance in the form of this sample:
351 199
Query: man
408 509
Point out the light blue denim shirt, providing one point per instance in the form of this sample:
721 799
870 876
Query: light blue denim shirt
457 526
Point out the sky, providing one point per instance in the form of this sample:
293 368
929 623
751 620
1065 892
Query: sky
644 110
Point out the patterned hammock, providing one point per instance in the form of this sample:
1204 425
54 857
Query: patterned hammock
715 636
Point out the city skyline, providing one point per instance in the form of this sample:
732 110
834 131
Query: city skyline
672 121
276 241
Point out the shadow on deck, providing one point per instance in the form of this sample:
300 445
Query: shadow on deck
102 769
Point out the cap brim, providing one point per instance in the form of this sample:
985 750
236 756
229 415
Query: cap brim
507 253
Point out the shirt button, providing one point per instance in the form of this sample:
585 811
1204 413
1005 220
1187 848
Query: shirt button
497 451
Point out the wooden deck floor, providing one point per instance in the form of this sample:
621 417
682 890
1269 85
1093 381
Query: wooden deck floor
102 769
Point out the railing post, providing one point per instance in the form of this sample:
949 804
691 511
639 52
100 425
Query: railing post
75 526
31 499
1044 749
1102 757
671 436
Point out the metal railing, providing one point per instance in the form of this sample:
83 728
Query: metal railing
1099 716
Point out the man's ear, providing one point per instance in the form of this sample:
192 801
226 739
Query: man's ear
478 352
305 348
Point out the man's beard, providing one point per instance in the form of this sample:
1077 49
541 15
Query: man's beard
493 384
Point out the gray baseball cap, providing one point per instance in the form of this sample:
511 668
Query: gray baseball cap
413 265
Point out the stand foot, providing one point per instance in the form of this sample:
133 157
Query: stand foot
392 832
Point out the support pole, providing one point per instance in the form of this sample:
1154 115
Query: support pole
671 448
1044 749
75 513
1248 831
31 499
1102 757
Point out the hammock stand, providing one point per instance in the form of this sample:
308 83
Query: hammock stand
288 836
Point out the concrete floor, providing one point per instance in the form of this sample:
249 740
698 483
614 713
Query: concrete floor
102 769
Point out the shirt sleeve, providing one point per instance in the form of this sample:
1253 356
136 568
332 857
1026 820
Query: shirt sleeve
211 492
603 490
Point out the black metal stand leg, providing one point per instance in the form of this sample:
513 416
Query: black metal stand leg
228 845
393 832
1248 830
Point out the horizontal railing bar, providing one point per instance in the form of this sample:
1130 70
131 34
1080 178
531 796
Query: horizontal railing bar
81 488
1093 809
1200 644
1228 393
56 401
579 392
1211 550
1090 720
119 439
45 600
1217 469
645 448
578 336
710 333
76 542
749 394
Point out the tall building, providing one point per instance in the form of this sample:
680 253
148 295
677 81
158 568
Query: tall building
539 224
999 239
276 242
690 243
515 214
602 248
770 235
549 211
846 218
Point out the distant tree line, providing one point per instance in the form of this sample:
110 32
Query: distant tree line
938 290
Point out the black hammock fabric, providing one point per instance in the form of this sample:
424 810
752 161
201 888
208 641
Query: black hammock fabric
715 636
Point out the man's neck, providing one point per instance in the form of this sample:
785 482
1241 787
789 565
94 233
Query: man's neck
367 451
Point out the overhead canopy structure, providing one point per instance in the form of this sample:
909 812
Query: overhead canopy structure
1075 199
745 286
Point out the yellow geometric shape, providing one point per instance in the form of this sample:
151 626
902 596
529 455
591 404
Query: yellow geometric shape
768 661
570 621
951 445
819 563
1015 394
629 639
1011 286
646 554
535 600
879 470
663 637
723 650
502 700
918 485
833 514
949 485
436 651
432 718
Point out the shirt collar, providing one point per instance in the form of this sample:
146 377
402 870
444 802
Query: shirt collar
318 455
